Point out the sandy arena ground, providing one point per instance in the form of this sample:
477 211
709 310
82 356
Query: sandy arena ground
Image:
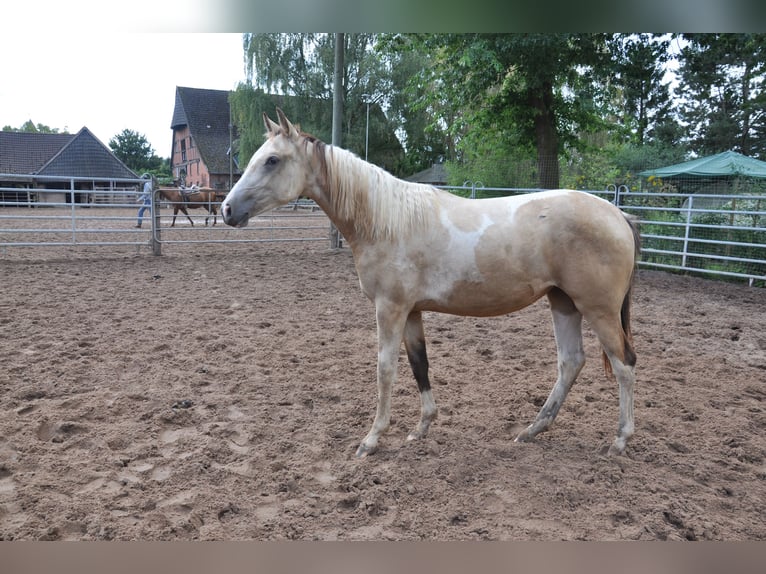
219 393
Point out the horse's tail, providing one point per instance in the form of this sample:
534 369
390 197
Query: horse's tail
629 353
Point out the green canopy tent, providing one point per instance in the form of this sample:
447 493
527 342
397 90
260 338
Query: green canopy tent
728 173
718 171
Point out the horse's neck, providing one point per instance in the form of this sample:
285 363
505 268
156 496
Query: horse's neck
342 184
367 203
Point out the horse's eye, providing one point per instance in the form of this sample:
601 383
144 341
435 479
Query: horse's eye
272 161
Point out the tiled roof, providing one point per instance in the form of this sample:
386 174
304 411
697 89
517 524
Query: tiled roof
78 155
25 153
435 175
206 112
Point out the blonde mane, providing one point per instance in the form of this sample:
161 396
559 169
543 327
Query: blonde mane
380 205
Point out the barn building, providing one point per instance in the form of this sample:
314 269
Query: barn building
202 139
40 161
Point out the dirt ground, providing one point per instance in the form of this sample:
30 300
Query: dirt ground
219 393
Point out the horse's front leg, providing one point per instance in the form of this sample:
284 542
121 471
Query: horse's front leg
390 327
415 343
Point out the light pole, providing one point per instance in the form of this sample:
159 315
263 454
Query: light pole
368 99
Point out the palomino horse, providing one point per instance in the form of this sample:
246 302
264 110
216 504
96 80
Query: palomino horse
193 199
418 248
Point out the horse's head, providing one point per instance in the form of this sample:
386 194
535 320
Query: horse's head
277 173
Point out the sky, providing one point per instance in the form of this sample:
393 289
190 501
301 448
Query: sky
111 82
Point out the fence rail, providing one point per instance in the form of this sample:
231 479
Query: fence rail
97 212
713 235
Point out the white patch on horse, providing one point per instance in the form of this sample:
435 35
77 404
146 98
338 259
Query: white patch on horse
461 264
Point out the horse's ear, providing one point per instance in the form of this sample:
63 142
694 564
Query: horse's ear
271 127
286 125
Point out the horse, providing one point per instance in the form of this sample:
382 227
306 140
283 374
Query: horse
193 198
419 249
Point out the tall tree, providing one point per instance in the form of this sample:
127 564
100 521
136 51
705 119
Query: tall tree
535 87
724 92
134 150
296 70
640 79
426 141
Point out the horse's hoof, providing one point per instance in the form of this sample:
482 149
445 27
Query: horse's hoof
617 448
417 434
523 436
365 450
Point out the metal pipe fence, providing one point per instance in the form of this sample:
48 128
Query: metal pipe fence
104 212
713 235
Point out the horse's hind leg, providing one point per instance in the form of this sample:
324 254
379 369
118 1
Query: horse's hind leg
415 344
567 327
626 377
622 359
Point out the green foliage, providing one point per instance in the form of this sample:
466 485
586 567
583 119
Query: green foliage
161 171
530 110
614 164
723 85
295 72
30 127
134 150
540 89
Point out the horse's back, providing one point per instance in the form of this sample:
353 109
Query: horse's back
497 255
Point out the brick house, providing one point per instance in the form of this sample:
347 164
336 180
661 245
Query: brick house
202 139
28 160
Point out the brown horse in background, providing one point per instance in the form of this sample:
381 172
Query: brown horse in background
192 198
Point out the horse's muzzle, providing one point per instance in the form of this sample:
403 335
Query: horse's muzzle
229 218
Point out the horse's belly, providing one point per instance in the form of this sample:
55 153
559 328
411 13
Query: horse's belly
483 298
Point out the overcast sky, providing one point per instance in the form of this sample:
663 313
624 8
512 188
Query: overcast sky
111 82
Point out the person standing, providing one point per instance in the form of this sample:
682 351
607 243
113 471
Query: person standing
145 198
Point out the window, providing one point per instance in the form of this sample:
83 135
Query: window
183 149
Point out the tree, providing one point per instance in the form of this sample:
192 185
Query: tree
134 150
724 92
645 96
295 71
536 88
425 141
30 127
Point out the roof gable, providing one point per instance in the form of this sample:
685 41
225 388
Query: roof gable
78 155
206 113
86 156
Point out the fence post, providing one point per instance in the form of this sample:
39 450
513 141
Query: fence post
154 209
74 219
474 185
686 230
616 198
